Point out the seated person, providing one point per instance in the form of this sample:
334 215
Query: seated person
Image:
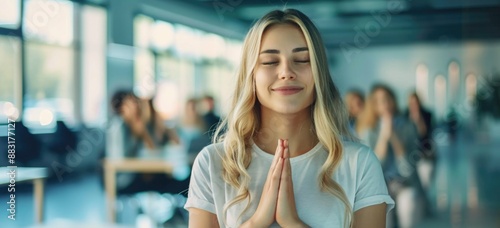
132 133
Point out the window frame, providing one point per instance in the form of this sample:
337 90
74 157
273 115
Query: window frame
77 50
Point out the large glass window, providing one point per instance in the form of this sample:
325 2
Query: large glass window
215 74
179 75
93 52
144 65
49 21
10 72
174 62
422 82
61 80
142 31
454 81
50 83
144 73
50 58
470 88
10 13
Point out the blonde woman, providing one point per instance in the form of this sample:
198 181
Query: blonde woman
286 157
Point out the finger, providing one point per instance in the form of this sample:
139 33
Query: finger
277 153
284 188
275 159
286 151
276 177
286 183
286 174
277 156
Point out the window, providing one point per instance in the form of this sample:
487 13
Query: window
144 65
144 73
60 81
142 31
50 58
214 75
178 74
93 63
188 42
10 54
161 35
49 21
470 88
454 81
10 14
440 96
422 82
49 82
10 88
178 62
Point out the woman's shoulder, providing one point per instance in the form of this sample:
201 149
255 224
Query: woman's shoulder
211 154
356 151
354 146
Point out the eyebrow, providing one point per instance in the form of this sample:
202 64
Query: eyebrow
274 51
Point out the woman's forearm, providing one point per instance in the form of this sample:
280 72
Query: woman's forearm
397 145
249 224
381 148
421 128
148 141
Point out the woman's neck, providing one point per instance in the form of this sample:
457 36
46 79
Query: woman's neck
296 128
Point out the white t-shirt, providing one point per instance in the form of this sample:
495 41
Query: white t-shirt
359 173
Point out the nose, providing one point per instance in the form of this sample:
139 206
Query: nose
286 72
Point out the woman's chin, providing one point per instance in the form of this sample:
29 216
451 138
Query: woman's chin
290 110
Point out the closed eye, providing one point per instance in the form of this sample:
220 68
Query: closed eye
269 63
302 61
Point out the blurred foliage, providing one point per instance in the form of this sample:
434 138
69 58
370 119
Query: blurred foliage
488 97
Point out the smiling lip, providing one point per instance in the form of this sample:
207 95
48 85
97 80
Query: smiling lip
287 90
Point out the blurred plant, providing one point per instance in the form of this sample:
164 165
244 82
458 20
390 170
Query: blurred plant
488 98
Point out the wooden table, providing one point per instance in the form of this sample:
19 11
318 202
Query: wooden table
137 165
36 175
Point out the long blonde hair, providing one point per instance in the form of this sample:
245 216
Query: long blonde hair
329 115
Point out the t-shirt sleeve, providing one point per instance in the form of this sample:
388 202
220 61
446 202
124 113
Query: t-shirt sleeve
200 194
371 188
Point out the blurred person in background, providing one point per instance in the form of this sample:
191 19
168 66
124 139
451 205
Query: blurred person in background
355 102
135 131
452 123
127 132
393 140
160 134
211 119
421 118
192 124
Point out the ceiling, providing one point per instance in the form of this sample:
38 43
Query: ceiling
341 21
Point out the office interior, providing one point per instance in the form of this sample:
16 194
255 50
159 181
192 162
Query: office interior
63 61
